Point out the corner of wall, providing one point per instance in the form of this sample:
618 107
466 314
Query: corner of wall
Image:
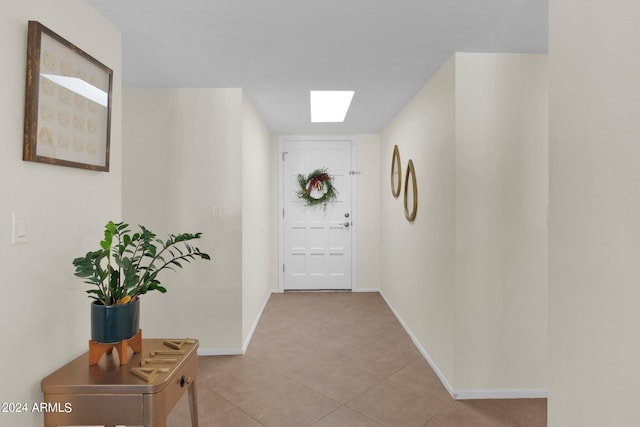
258 205
467 131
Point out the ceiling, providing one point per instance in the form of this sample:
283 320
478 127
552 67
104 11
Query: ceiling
278 50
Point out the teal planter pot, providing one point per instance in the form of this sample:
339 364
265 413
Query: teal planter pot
114 323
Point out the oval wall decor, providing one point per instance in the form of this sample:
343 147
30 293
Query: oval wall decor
410 193
396 172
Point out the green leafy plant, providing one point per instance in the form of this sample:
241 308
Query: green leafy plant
127 264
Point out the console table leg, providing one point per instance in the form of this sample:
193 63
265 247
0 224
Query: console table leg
193 403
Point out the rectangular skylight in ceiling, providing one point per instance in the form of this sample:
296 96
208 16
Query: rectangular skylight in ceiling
330 106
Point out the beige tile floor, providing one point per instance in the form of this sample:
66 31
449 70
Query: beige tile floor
333 359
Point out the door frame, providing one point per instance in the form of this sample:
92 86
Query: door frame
354 216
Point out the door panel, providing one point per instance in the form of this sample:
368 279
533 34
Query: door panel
317 239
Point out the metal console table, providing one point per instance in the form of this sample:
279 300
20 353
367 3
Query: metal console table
110 394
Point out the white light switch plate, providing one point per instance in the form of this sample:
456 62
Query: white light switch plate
217 212
19 225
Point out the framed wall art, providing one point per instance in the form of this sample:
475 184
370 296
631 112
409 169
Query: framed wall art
396 172
410 193
67 118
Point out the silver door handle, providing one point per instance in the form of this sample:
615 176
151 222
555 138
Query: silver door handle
347 224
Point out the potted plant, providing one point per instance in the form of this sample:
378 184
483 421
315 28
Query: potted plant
127 266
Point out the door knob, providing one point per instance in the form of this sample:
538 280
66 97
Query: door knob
347 224
346 215
184 380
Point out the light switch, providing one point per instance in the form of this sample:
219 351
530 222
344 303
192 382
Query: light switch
217 212
19 235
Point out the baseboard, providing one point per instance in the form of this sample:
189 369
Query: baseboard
366 290
220 351
421 349
237 351
472 393
502 394
255 323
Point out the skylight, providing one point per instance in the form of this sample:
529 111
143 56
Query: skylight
330 106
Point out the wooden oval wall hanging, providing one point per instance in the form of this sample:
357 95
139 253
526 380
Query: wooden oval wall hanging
410 193
396 172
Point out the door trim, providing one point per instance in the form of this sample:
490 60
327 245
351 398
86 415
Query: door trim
315 138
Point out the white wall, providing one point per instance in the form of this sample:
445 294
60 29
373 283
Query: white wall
367 212
417 259
182 157
469 275
594 213
44 310
501 221
259 204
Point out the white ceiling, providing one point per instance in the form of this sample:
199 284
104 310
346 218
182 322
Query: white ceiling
278 50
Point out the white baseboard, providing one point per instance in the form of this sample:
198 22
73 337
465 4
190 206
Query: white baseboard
237 351
473 393
518 393
220 351
255 323
421 349
366 290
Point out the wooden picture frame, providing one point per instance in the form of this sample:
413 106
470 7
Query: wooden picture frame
396 172
67 118
410 193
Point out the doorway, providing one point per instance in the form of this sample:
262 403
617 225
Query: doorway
316 241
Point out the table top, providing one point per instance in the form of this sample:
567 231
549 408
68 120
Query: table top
108 376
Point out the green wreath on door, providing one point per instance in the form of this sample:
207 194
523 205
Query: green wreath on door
320 180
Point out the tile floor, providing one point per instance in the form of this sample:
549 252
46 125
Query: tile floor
333 359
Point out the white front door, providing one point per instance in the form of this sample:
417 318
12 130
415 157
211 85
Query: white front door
316 239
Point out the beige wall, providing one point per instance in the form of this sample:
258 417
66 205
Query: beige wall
44 310
468 276
183 157
501 222
367 212
417 259
259 204
594 213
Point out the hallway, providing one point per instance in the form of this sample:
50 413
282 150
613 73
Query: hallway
337 359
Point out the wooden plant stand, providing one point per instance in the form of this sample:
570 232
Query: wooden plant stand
97 349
